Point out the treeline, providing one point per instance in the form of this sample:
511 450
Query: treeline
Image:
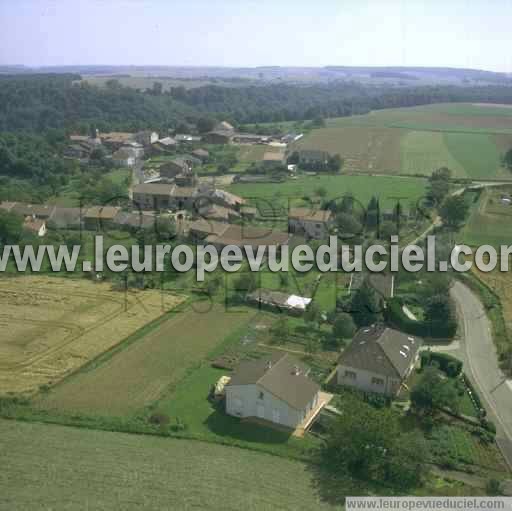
38 102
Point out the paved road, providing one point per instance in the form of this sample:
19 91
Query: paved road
481 362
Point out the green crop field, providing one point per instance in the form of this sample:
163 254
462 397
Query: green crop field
468 139
68 468
140 372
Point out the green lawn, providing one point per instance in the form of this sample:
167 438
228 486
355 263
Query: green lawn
388 189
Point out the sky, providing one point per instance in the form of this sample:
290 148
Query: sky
249 33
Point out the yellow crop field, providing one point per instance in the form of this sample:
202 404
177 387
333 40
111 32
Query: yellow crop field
51 326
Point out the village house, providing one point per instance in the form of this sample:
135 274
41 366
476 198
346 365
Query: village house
312 158
202 154
382 283
312 223
98 218
243 235
224 126
35 226
276 389
66 218
125 157
153 196
379 359
116 139
166 143
146 138
133 221
171 169
218 213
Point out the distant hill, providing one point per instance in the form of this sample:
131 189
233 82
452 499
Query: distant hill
389 74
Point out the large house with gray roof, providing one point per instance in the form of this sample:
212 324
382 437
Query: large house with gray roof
379 359
275 389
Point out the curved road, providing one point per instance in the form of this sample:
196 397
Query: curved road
481 362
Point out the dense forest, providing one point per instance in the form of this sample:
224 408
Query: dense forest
35 103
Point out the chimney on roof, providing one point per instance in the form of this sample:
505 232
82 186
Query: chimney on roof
269 364
296 370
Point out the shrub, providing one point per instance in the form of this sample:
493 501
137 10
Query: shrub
395 317
451 366
489 426
159 419
494 487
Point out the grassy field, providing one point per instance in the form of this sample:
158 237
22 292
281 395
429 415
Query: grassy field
138 374
388 189
52 326
469 139
490 222
103 470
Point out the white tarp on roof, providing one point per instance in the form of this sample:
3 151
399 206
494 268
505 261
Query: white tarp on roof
298 302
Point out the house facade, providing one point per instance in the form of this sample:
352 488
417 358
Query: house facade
313 224
153 196
379 359
276 389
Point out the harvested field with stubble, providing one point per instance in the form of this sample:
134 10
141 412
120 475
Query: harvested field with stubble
52 326
79 469
138 374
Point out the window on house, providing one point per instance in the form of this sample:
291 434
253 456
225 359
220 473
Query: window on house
261 395
377 381
351 375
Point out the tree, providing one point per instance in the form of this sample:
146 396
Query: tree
372 213
364 306
157 89
454 210
279 331
293 159
343 327
11 228
335 163
432 392
321 191
348 225
312 315
440 184
205 124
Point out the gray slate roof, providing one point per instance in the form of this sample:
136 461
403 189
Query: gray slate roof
276 374
381 350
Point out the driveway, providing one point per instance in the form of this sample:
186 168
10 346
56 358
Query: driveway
481 363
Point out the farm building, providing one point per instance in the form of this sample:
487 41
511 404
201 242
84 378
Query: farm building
279 300
248 138
312 157
186 139
276 389
311 223
379 359
218 213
